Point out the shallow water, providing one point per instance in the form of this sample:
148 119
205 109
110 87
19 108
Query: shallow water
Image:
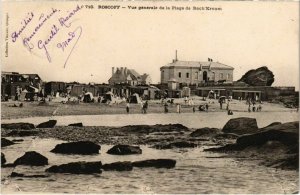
195 172
191 120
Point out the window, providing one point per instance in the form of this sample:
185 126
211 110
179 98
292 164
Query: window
179 74
228 76
196 75
221 75
187 75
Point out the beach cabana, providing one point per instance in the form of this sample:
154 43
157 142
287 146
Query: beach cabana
88 97
135 99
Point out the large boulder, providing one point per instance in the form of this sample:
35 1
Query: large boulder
179 144
32 158
3 160
124 150
118 166
258 77
287 134
24 126
156 163
206 131
48 124
80 147
77 168
5 142
240 126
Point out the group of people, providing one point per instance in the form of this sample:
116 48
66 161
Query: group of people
144 106
254 109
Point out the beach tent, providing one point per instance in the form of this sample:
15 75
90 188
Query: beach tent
88 97
135 99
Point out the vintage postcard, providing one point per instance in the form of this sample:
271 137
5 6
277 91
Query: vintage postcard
149 97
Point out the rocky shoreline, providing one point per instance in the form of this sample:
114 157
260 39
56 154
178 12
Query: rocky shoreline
276 145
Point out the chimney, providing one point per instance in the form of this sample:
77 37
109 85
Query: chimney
113 70
125 71
176 59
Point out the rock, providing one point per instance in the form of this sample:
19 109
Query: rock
180 144
5 142
240 126
291 163
23 133
3 160
226 136
80 147
287 134
204 131
17 140
8 165
24 126
77 168
32 158
259 77
146 129
157 163
15 174
118 166
272 124
76 125
124 150
48 124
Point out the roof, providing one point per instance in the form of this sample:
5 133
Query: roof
144 76
135 74
213 65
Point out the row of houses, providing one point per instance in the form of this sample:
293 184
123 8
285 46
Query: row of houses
178 79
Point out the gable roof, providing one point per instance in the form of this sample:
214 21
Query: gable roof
135 74
212 65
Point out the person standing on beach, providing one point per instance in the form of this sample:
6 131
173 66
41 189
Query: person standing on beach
221 104
142 106
166 107
178 108
127 107
227 107
145 107
206 107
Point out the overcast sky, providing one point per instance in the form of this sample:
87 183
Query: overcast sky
244 35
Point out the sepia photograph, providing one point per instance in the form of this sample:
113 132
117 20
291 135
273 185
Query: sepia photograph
149 97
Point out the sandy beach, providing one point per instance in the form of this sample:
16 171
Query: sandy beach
33 109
